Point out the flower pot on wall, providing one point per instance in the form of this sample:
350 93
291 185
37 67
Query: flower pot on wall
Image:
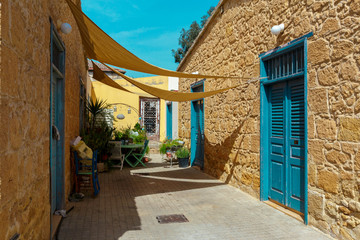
183 162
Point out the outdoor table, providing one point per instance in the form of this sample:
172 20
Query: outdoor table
130 153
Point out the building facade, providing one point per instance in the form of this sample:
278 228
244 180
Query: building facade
292 136
158 116
43 91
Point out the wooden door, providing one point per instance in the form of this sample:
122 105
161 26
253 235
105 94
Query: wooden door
287 143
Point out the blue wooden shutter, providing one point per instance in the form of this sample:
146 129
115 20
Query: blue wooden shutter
169 120
277 143
297 146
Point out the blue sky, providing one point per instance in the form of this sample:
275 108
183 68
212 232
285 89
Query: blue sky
148 29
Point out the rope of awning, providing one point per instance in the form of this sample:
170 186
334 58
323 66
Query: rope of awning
101 47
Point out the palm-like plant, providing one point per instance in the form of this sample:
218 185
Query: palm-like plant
96 108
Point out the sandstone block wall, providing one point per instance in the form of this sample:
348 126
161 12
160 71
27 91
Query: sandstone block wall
230 45
24 112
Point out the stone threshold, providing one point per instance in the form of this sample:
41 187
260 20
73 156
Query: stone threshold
56 220
288 211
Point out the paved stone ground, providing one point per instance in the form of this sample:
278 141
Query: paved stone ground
129 202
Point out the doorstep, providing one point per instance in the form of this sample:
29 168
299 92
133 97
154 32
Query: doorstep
56 219
290 212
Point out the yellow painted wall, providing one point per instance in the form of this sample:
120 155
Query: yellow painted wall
112 96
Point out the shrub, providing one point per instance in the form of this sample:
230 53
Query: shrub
182 153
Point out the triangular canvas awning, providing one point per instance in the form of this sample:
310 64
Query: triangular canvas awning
165 94
105 79
101 47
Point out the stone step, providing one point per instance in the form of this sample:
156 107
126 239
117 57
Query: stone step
154 146
154 150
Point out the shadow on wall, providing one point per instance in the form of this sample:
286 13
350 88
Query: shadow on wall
217 156
236 159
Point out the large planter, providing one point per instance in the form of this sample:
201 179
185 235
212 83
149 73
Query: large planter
183 162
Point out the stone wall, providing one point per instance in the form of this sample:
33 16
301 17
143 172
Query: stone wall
24 111
230 45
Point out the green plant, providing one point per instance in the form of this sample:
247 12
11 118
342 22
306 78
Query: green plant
182 152
140 138
125 133
98 137
138 134
95 109
137 127
169 144
118 135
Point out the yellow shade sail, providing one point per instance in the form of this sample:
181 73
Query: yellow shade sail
165 94
101 47
105 79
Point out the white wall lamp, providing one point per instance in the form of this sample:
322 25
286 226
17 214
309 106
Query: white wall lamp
66 28
277 29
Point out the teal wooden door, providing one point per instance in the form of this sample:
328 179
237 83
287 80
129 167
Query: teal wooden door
53 144
287 132
57 123
56 140
169 120
197 134
197 129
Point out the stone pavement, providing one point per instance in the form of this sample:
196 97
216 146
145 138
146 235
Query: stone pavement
131 199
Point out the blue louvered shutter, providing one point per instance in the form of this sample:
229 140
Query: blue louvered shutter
277 142
295 163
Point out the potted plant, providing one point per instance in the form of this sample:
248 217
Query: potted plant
98 134
170 145
98 138
183 155
125 135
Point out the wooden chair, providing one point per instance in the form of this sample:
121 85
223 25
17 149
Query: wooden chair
86 173
116 154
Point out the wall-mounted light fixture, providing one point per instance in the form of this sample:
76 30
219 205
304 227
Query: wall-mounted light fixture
66 28
120 116
129 110
277 29
115 109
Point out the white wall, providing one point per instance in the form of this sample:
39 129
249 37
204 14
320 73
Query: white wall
173 84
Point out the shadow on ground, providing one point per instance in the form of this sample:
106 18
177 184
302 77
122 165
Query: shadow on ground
114 212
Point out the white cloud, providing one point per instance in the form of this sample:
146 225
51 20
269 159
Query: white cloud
105 8
132 33
111 9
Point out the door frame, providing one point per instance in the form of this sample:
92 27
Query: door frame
60 112
264 117
193 145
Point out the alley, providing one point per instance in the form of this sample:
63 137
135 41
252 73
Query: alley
131 199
